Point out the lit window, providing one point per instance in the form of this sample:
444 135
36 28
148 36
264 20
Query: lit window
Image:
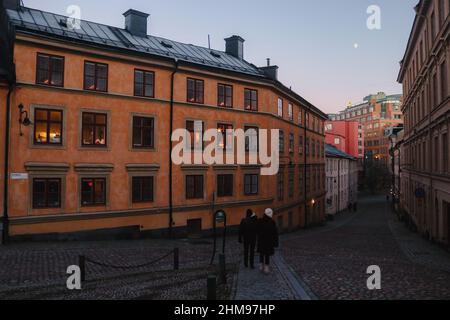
225 136
48 127
94 129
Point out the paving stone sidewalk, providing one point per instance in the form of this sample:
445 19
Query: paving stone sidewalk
417 249
281 284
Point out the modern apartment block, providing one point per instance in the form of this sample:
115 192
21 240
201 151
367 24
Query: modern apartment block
342 180
425 167
375 114
98 105
346 136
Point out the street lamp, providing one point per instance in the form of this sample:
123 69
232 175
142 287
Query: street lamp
23 120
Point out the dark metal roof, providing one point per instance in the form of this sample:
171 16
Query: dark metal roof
54 25
50 24
333 152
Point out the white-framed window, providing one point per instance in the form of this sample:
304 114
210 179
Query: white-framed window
280 107
300 118
329 127
291 112
337 141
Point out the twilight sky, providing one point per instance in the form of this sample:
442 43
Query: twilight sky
323 47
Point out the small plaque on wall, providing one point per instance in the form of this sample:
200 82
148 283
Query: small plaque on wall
19 176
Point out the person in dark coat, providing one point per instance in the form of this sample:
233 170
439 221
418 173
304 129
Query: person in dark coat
247 236
267 240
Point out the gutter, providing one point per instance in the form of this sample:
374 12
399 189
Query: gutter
172 89
5 218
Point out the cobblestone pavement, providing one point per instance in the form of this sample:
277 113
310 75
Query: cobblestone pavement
38 270
253 285
419 250
333 261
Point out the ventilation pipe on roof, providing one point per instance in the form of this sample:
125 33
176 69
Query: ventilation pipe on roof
136 22
234 46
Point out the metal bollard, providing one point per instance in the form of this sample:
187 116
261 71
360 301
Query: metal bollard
222 269
211 287
82 265
176 259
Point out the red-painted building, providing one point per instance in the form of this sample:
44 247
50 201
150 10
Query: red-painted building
346 136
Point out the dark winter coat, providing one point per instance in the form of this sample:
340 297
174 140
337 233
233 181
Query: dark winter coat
267 236
248 230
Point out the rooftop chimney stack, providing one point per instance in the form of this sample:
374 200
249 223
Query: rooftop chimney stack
270 71
11 4
136 22
235 46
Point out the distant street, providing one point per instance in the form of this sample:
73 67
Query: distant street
333 263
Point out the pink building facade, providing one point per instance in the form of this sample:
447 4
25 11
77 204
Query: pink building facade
346 136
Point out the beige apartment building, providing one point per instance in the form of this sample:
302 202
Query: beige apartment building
425 169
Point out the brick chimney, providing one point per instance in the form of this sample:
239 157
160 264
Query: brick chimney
234 46
136 22
11 4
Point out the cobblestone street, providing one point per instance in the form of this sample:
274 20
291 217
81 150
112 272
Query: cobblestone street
328 262
38 270
333 260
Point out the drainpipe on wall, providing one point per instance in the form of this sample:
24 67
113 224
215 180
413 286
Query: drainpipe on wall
172 88
5 222
304 177
339 185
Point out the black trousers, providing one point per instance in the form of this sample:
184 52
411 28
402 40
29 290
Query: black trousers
249 253
264 259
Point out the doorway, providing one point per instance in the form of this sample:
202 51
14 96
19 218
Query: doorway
194 228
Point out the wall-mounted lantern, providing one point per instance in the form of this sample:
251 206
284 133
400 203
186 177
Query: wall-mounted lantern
24 120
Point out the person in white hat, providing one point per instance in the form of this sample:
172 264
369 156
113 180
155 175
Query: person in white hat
267 240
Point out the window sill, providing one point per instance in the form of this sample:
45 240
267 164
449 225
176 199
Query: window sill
48 146
84 206
135 149
50 85
93 148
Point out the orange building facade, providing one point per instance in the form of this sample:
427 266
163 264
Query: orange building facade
96 154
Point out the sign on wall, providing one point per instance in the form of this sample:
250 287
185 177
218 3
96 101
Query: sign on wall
19 176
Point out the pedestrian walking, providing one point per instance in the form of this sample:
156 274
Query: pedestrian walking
248 236
267 240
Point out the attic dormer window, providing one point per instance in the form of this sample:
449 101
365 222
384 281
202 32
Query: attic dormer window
166 44
215 54
63 23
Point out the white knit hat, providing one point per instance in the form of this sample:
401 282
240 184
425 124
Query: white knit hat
269 213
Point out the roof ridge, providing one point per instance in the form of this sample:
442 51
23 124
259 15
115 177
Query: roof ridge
153 36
